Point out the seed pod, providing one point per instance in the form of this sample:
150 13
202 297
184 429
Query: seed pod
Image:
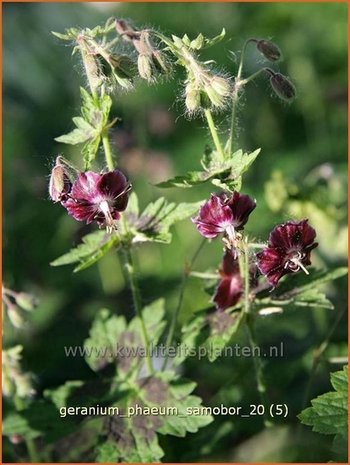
270 50
283 87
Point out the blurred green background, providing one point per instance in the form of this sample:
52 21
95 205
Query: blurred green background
304 144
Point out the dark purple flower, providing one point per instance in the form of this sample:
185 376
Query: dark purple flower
230 287
223 214
288 250
98 197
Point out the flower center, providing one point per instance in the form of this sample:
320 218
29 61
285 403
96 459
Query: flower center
110 224
294 263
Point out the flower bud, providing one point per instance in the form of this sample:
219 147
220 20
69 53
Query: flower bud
221 86
159 62
283 87
144 65
193 97
16 439
270 50
60 185
217 90
15 317
26 301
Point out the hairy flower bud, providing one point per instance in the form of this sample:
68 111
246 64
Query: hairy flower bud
26 301
60 185
144 65
15 316
283 87
193 97
217 90
270 50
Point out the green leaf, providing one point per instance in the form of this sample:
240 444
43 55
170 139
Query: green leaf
105 333
212 332
159 403
222 326
226 174
93 247
214 40
301 290
154 223
185 415
90 126
329 412
60 395
39 419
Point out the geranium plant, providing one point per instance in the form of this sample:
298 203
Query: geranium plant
253 279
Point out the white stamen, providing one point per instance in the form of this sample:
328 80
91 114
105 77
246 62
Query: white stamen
104 207
299 264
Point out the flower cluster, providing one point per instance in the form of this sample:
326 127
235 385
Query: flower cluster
288 249
92 196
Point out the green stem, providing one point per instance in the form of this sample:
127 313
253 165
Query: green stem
30 444
130 269
185 276
108 152
241 62
250 325
214 133
245 81
229 146
258 368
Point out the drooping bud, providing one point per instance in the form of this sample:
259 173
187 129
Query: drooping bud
144 65
14 380
283 87
60 185
270 50
193 97
159 62
15 316
26 301
217 90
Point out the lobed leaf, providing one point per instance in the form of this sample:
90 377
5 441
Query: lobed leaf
225 174
93 247
329 412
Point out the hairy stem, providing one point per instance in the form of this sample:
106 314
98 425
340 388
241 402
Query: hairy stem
214 133
185 276
108 152
130 270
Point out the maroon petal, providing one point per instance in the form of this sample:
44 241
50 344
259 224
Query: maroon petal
228 292
85 187
230 264
230 287
82 211
292 235
113 187
271 264
241 207
213 218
